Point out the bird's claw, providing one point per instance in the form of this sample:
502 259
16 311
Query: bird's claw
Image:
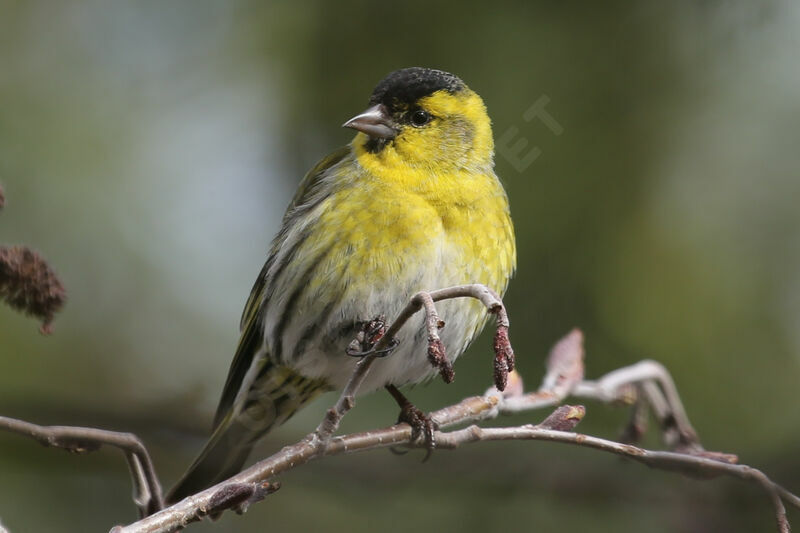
423 428
368 336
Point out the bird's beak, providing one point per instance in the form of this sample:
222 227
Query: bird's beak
375 122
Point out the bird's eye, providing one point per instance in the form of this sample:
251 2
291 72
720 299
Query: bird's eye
419 118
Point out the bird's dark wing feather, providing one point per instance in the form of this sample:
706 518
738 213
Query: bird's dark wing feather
252 326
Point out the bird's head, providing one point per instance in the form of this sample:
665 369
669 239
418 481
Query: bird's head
424 119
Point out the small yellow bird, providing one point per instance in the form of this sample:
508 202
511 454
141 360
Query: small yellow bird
411 204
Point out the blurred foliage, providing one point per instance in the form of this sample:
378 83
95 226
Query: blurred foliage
148 149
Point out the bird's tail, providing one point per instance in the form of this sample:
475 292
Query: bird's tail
274 396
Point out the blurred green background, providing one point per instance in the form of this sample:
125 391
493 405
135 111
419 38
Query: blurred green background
148 149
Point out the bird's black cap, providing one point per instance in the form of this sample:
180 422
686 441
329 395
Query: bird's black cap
408 85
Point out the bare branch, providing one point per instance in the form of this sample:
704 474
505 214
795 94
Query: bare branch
663 460
421 300
658 388
645 384
147 489
346 400
564 374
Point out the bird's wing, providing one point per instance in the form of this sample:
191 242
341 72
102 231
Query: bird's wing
251 340
305 191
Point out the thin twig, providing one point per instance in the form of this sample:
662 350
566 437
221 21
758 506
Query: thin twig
333 417
147 489
470 409
346 401
642 372
564 374
645 383
662 460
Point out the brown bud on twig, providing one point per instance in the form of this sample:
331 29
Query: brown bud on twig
29 285
565 418
237 497
229 496
2 198
565 363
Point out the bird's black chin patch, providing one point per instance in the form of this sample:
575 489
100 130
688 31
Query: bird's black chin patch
375 145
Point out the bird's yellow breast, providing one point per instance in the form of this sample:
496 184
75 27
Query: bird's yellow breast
405 222
423 212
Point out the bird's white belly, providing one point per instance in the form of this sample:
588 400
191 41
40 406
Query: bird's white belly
324 356
408 362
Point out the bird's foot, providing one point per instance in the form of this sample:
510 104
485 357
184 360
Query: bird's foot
370 333
423 428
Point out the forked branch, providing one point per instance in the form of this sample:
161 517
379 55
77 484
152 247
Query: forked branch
146 488
646 384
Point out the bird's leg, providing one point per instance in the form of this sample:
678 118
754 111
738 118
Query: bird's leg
368 336
422 425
